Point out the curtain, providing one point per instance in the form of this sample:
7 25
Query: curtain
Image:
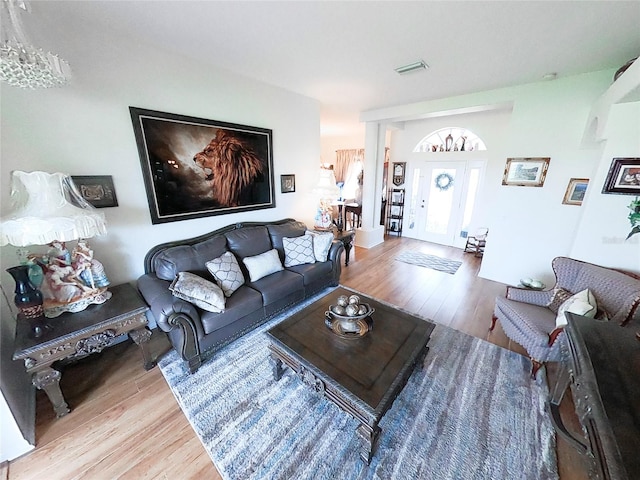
349 164
345 160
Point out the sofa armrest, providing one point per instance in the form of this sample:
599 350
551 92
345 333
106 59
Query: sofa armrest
541 298
335 251
164 305
335 254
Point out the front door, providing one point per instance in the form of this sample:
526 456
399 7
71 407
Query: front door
441 200
437 213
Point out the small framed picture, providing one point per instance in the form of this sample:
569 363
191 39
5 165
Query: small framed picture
575 191
287 183
98 190
623 177
526 172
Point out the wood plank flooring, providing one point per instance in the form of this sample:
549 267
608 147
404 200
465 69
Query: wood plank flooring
125 422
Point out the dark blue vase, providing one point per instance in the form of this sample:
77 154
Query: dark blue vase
28 298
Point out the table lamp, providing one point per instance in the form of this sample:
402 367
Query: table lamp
47 208
327 191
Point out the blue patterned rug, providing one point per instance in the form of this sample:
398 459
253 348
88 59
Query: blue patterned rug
473 412
430 261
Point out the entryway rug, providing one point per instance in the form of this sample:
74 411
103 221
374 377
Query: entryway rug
472 413
430 261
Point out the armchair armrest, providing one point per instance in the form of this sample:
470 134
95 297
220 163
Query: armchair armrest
541 298
554 335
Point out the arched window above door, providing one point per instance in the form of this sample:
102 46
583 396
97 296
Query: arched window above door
450 139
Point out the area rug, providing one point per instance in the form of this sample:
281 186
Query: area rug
472 412
430 261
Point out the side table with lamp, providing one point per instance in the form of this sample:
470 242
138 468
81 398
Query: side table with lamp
76 335
52 287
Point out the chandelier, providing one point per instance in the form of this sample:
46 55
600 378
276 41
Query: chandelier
22 64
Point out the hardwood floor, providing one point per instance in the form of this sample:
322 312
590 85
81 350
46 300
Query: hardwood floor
125 422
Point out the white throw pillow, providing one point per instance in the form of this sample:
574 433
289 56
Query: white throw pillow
582 303
321 244
203 293
298 250
226 271
262 265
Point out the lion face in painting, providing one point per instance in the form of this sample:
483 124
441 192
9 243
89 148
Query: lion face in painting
230 166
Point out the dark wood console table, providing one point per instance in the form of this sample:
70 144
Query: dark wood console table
601 363
346 237
76 335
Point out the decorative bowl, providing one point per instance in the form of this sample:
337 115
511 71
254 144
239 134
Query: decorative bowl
349 326
532 283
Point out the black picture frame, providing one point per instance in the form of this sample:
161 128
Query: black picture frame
623 177
195 167
287 183
399 169
98 190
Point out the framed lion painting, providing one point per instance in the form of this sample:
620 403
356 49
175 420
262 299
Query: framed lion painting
193 167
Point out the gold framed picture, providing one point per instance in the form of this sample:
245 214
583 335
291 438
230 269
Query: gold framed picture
525 171
575 191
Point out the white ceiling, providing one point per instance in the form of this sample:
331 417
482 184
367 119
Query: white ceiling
344 53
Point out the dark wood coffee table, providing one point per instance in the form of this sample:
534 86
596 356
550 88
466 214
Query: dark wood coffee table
362 376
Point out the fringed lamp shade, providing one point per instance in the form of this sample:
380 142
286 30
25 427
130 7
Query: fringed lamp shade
47 207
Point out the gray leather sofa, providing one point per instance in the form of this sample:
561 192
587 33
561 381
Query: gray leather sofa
194 331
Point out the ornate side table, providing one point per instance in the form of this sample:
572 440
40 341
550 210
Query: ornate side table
76 335
346 237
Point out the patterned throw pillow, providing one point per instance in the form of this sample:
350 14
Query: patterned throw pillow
560 295
321 244
226 271
582 303
298 250
262 265
203 293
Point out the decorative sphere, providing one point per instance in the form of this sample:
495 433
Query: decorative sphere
362 309
343 300
338 309
352 310
354 299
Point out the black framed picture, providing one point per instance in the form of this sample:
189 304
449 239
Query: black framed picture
194 167
98 190
398 173
623 177
287 183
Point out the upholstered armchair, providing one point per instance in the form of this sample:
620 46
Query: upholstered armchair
528 317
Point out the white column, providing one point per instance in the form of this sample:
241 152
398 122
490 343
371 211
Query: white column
372 233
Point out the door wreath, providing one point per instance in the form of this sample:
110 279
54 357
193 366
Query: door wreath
444 182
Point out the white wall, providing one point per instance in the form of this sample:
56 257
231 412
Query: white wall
530 226
85 129
12 444
329 145
606 236
489 126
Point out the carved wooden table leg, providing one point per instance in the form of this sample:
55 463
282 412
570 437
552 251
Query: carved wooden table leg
369 436
141 338
277 367
48 380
